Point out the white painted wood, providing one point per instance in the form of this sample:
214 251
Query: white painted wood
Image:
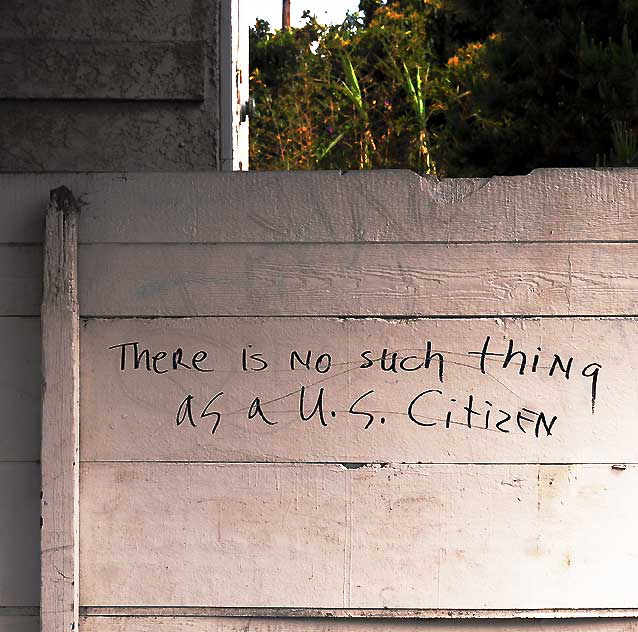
19 535
446 536
20 391
131 414
386 205
20 280
478 279
555 204
329 278
60 417
234 80
358 280
239 624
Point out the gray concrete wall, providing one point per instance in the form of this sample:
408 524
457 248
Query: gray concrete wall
87 85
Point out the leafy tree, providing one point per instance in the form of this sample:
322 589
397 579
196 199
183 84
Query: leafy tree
453 87
556 79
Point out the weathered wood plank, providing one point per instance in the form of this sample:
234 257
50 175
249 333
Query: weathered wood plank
20 280
20 529
359 280
410 280
128 20
67 69
131 414
547 205
20 389
446 536
382 206
239 624
60 418
379 206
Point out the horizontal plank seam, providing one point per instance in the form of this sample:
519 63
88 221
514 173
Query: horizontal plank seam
410 317
305 243
376 242
282 611
359 464
362 242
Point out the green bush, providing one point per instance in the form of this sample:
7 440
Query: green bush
450 87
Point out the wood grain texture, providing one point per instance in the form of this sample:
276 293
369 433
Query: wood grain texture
131 414
19 535
60 417
358 280
446 536
20 280
382 206
20 390
378 206
239 624
67 69
393 207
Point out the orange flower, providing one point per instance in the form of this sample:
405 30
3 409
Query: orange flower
466 55
393 15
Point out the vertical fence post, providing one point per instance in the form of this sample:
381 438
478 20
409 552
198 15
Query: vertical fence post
60 417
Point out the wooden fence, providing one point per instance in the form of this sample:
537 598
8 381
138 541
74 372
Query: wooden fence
304 400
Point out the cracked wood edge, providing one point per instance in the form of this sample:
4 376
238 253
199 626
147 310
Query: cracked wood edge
60 417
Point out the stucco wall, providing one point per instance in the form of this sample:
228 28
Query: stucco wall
87 85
